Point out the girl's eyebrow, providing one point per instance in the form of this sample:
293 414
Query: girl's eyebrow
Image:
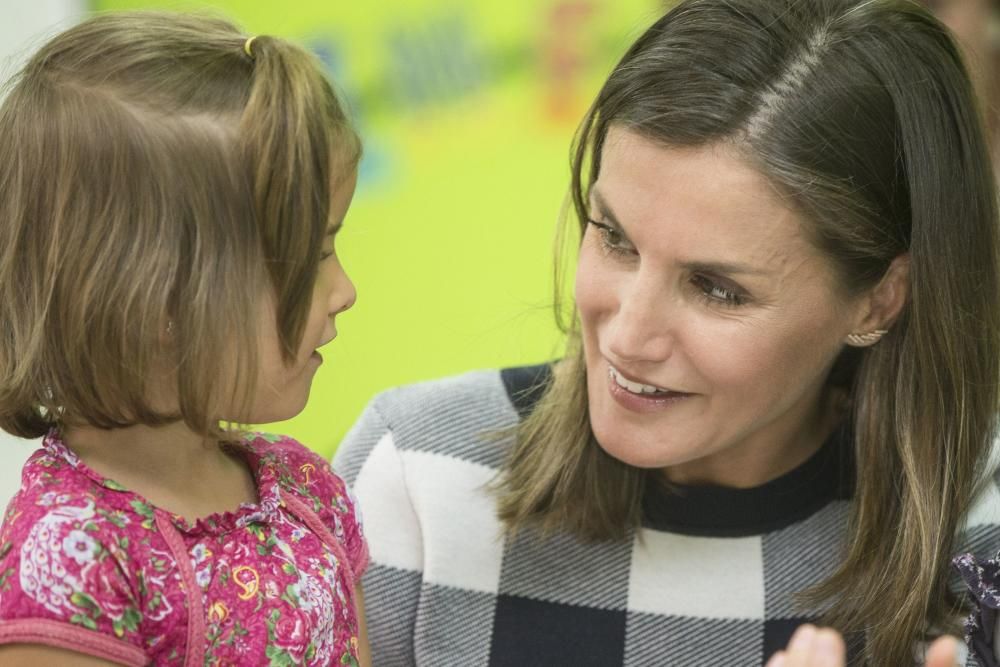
334 228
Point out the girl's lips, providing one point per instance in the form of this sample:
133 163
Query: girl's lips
644 402
316 356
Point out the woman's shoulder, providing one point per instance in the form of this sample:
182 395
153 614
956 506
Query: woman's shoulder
468 392
494 395
466 416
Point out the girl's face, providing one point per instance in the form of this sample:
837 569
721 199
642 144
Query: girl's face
283 389
709 321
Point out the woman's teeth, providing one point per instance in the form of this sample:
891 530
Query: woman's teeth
634 387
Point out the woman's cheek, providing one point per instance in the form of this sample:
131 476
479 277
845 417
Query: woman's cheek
595 285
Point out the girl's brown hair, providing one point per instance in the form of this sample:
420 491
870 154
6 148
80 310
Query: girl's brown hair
862 113
157 181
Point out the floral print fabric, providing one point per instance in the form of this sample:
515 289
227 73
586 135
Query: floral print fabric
273 587
983 581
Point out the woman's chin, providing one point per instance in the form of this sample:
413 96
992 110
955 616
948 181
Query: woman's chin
632 450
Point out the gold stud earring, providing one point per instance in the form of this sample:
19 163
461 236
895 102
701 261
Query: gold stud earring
866 339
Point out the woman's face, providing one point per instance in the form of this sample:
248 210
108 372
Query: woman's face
709 320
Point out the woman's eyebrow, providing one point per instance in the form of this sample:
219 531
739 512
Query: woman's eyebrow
723 268
714 267
603 205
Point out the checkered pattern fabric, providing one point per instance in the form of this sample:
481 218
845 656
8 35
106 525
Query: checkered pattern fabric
446 588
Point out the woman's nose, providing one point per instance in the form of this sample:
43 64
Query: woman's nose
642 328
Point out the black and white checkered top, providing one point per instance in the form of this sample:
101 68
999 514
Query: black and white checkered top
709 579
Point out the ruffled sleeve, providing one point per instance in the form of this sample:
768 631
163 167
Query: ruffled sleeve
983 581
64 582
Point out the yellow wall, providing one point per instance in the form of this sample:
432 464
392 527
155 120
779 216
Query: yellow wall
466 110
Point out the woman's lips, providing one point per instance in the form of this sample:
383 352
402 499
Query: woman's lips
640 397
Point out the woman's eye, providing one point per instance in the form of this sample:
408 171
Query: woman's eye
326 254
719 294
612 238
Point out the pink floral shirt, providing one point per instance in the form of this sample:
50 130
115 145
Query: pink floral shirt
87 565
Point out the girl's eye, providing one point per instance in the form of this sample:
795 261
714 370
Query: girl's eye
612 239
326 254
718 294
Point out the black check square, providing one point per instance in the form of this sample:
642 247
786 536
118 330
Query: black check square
531 633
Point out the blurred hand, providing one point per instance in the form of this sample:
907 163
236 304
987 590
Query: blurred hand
823 647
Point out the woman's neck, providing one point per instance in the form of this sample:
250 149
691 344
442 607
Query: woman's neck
171 466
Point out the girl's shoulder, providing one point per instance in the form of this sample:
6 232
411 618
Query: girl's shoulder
72 551
54 486
297 468
308 478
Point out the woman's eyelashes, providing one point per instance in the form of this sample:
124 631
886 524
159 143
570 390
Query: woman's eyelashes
613 239
711 290
718 294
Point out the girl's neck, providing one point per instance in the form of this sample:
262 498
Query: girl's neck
171 466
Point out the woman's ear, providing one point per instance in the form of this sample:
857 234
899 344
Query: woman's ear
881 306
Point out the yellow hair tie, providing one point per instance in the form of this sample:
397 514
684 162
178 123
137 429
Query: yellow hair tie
246 46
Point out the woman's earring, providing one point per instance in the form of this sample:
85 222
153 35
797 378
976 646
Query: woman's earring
170 327
866 339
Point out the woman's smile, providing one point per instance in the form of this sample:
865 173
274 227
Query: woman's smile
637 396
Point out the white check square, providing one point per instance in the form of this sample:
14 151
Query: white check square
463 539
389 523
702 577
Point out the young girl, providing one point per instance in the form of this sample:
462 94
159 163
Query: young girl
169 195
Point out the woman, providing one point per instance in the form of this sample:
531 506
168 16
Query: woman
780 389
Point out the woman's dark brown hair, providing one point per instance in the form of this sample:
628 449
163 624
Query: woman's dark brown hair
861 113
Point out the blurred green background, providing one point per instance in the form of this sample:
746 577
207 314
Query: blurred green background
467 111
